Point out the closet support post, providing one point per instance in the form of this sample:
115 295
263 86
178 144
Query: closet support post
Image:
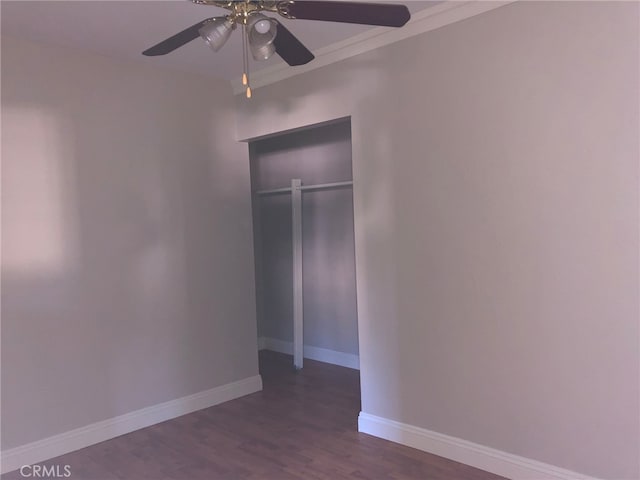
298 323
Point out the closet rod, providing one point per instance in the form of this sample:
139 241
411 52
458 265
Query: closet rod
274 191
322 186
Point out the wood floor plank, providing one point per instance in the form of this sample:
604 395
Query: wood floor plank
302 426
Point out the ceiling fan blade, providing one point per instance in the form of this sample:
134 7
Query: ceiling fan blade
290 48
176 41
383 14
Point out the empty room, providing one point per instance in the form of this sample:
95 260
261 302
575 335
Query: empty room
300 239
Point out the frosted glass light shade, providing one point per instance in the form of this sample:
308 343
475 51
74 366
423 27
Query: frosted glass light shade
262 33
216 32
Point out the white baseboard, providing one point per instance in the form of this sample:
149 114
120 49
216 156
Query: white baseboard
348 360
485 458
82 437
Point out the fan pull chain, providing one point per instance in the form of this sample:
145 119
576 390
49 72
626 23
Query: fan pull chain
245 78
245 61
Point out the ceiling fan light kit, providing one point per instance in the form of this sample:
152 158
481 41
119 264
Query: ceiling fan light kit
264 35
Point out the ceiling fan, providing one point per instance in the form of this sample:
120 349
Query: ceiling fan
264 35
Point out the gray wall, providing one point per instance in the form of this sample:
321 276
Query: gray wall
496 203
319 155
127 263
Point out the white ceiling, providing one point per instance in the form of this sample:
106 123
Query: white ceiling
123 29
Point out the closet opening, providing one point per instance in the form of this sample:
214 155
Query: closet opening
303 223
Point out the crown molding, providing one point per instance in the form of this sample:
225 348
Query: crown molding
442 14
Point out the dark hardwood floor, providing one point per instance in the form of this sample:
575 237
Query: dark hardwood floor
301 426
